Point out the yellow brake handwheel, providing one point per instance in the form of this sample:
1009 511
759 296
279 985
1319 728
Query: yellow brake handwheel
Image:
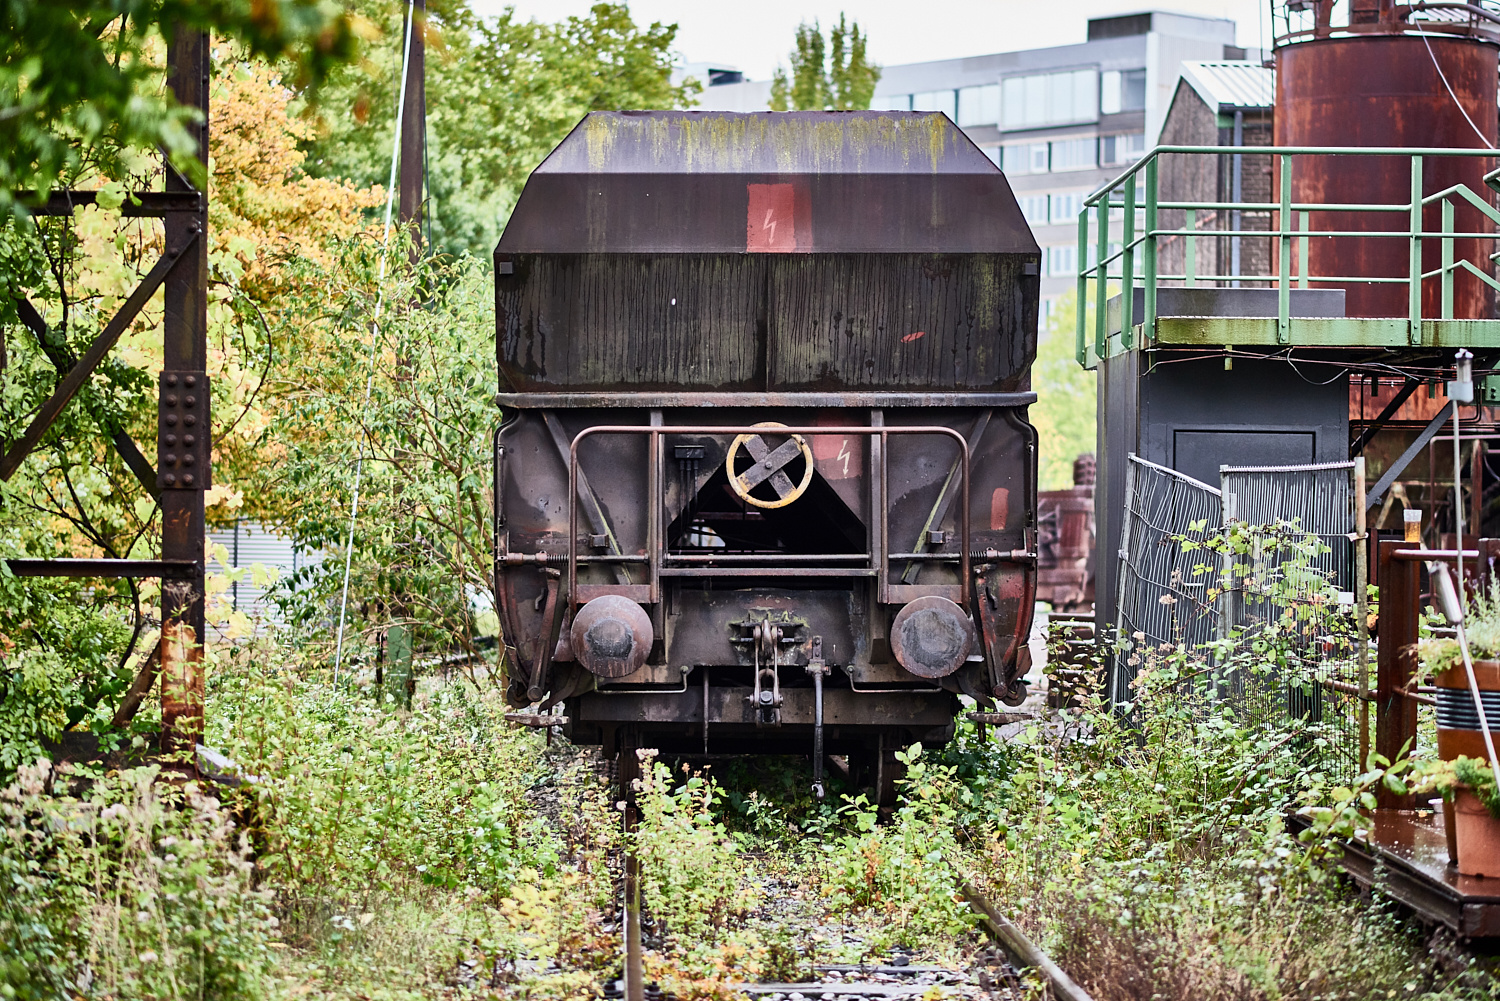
769 466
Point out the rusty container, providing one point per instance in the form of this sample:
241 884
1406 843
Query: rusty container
1386 90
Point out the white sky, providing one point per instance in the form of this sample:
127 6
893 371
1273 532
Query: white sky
754 35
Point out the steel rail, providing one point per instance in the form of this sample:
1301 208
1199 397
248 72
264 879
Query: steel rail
1020 948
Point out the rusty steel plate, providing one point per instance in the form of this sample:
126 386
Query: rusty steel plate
611 636
932 637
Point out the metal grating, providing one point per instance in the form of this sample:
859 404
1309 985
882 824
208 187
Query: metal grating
1282 583
1161 600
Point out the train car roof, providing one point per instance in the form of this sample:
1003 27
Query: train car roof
773 182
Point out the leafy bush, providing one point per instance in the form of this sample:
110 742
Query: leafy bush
352 801
901 870
689 879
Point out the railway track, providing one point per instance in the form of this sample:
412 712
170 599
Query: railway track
1009 970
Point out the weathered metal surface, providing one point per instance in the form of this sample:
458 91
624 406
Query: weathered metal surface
717 400
185 352
835 517
1406 858
865 280
767 322
137 203
1396 665
805 182
931 637
1313 332
842 707
611 636
1065 540
105 568
805 251
1328 95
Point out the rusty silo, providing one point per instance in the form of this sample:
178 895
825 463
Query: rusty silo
1382 80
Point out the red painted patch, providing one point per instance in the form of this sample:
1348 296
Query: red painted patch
771 219
999 509
911 337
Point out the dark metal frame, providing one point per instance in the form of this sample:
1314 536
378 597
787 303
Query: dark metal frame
183 398
877 556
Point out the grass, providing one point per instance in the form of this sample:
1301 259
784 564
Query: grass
441 853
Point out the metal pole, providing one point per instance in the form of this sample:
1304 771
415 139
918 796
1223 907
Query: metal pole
817 669
1234 196
414 130
184 416
1458 506
1396 715
1362 608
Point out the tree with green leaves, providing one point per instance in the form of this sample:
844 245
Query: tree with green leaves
836 76
80 80
501 93
1065 411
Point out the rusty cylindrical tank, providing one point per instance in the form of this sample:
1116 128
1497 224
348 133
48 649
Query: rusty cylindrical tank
1384 90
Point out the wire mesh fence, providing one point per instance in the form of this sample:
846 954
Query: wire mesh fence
1160 600
1254 582
1292 579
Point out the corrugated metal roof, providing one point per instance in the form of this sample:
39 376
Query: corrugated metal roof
1239 84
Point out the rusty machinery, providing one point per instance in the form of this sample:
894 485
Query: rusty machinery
765 481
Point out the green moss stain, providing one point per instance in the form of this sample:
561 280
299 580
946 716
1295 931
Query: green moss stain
770 142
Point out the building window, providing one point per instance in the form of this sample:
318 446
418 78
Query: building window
1062 261
1122 90
979 105
1118 150
1026 158
1049 99
1034 208
891 102
1066 206
996 155
936 100
1074 154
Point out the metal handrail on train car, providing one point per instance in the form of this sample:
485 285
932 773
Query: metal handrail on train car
879 560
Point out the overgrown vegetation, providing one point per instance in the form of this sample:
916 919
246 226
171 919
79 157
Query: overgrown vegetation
368 850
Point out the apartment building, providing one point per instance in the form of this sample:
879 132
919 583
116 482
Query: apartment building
1058 120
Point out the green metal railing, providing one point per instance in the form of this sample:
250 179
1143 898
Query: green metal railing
1135 192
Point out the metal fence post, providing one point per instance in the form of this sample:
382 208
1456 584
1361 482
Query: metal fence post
1127 267
1101 281
1414 271
1395 713
1148 280
1284 280
1083 285
1447 259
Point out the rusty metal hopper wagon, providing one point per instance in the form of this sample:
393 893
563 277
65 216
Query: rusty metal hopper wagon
764 475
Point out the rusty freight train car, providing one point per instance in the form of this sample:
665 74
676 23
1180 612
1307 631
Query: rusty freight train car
764 480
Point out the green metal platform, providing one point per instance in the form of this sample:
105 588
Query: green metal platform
1129 208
